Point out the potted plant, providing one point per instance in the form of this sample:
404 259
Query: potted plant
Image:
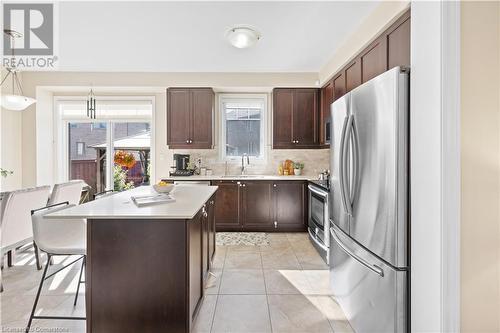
297 168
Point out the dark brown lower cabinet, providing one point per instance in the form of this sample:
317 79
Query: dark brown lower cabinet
260 205
227 208
290 205
256 205
147 275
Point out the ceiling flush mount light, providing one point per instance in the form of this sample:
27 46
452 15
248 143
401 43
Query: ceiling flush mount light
14 102
243 36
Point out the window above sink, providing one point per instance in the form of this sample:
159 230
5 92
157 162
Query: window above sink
243 126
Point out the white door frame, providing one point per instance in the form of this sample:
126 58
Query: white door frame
435 166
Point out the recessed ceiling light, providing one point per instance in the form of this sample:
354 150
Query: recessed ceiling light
242 36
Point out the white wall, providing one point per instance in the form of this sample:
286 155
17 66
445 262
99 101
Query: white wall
480 223
10 143
434 127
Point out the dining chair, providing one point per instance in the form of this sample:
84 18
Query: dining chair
15 218
70 191
58 237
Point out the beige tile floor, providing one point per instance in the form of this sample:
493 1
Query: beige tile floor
283 287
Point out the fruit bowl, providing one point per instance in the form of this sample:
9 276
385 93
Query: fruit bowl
167 188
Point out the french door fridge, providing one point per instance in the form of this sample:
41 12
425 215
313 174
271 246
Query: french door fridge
369 215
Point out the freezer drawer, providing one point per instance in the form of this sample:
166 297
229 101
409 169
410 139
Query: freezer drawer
372 294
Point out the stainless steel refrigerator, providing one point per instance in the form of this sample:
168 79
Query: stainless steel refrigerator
369 212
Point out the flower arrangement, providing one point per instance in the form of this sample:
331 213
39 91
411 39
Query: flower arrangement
124 159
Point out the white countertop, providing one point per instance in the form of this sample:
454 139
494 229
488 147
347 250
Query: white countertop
239 177
189 200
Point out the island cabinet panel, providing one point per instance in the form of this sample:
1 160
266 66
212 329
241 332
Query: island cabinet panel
196 264
137 276
147 275
262 205
190 117
295 118
211 230
256 205
227 205
290 205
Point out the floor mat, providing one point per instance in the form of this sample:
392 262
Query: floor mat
242 238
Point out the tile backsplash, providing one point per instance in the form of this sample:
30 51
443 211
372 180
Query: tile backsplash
315 161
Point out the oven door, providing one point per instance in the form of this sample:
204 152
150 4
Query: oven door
318 214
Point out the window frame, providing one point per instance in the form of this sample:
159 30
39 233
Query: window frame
263 98
61 133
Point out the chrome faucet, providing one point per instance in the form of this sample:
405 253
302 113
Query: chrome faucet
243 162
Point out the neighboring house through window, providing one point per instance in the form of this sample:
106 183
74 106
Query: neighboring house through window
243 126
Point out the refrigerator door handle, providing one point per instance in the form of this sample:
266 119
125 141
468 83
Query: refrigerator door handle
341 164
344 160
355 162
374 268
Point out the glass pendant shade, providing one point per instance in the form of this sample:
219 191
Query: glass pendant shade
16 102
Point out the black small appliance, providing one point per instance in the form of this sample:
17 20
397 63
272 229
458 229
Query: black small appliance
181 168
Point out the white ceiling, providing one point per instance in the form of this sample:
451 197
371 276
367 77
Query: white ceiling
189 36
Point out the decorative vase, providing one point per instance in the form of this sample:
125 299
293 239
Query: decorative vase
297 172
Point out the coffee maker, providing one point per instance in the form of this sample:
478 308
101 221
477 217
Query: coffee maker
181 165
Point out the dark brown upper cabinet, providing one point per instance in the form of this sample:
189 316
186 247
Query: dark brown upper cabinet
389 49
326 101
295 118
398 42
374 60
353 75
190 117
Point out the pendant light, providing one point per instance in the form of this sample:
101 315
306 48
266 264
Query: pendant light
91 105
14 102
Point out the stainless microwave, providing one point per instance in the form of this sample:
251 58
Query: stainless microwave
328 129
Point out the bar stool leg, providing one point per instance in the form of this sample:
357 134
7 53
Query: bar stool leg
79 280
37 256
10 256
38 294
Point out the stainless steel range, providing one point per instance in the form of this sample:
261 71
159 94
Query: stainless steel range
318 222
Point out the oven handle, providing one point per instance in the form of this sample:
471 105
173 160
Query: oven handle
313 237
374 268
322 194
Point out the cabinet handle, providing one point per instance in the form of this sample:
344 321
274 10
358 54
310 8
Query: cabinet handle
239 183
190 141
274 185
275 224
187 141
297 141
244 185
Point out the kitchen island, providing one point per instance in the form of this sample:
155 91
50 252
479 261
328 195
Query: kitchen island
146 266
